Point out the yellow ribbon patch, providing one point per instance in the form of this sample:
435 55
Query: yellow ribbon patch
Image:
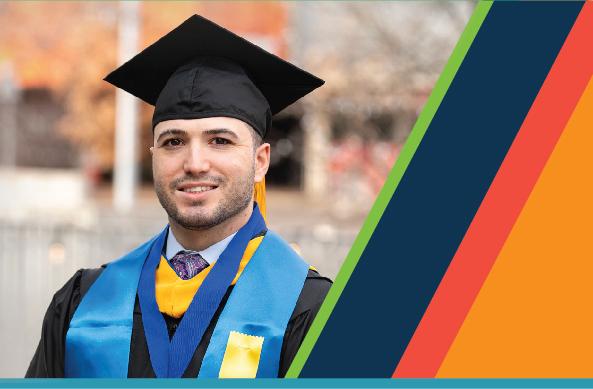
241 357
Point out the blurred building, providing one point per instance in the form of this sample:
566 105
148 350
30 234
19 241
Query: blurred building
380 61
331 152
59 99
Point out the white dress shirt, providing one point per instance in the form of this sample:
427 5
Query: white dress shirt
210 254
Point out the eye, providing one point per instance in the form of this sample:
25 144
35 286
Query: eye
174 142
220 141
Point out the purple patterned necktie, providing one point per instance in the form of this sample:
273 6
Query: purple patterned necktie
187 264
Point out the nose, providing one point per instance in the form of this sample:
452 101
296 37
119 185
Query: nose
196 161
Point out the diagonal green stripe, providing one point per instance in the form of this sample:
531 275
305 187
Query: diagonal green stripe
393 179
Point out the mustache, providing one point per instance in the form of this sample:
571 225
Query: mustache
192 178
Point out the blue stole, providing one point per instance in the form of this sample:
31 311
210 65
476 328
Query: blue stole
98 340
253 308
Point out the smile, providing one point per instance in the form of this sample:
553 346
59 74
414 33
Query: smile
198 189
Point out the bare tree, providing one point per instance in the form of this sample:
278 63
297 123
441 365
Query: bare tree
378 57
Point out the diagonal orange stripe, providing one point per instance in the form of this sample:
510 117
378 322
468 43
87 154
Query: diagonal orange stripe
533 317
502 204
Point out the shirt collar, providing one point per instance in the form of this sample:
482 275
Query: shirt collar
210 254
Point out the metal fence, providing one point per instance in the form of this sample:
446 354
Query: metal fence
37 258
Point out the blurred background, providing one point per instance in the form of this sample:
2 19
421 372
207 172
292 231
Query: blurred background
75 171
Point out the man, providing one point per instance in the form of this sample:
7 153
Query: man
215 294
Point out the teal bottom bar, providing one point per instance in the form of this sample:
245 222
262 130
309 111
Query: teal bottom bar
297 383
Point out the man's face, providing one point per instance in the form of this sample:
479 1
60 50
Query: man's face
204 169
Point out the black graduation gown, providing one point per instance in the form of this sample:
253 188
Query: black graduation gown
48 360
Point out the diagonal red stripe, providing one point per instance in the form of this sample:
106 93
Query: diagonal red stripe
502 204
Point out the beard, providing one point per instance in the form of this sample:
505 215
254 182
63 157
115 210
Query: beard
236 197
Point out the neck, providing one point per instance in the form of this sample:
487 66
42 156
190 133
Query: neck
198 240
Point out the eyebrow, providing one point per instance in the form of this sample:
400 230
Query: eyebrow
171 131
220 131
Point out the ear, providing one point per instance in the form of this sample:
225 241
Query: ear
262 161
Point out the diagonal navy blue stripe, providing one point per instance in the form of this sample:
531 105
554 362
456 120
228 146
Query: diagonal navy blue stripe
441 190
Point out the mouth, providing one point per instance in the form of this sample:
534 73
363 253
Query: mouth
196 189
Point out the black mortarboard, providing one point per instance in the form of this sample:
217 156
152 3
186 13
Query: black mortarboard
201 69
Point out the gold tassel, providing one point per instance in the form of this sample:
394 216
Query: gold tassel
259 195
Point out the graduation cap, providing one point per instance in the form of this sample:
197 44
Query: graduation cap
201 69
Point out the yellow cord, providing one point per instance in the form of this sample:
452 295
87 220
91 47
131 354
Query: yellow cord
259 194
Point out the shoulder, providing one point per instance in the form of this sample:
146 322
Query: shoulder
67 299
317 281
88 277
313 293
314 289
